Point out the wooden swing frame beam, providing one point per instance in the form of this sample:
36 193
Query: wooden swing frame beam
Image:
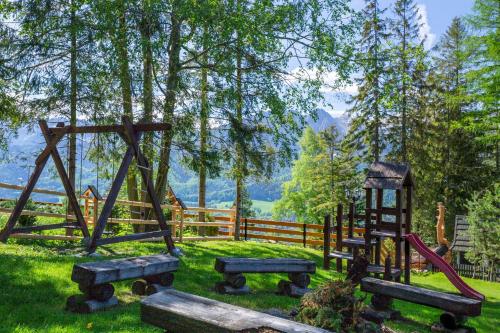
131 134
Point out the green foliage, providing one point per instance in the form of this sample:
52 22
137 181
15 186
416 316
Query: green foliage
24 220
332 306
484 227
323 176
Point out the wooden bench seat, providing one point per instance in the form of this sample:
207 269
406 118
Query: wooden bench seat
448 302
180 312
233 269
94 279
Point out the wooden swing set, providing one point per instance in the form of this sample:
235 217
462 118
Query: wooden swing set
131 135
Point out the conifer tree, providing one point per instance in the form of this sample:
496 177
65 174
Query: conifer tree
368 113
400 89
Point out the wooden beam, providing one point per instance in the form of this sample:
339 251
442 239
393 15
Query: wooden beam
254 265
132 237
147 178
68 187
447 302
47 237
35 190
147 127
44 227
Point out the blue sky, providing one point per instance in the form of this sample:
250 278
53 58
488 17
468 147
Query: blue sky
436 17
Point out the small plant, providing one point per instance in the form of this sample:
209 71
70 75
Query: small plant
332 306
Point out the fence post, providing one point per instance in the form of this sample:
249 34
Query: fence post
338 240
326 242
181 226
304 234
246 229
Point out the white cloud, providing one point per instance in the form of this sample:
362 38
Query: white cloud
425 28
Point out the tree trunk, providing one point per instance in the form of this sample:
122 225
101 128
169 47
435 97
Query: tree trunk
147 54
204 114
170 101
73 101
239 150
126 88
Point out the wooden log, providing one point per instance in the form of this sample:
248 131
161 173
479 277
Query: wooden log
180 312
47 237
225 288
447 302
164 279
139 287
236 280
155 288
255 265
100 272
452 321
300 279
79 304
290 289
132 237
101 292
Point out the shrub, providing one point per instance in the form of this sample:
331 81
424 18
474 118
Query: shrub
484 227
24 220
331 306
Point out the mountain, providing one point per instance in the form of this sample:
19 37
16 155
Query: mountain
19 162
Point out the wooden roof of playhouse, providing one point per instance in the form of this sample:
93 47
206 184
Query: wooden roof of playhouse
385 175
461 238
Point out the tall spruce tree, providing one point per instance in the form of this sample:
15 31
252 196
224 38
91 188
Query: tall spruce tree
400 89
459 154
484 77
368 112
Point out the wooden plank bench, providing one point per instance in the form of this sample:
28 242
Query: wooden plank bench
456 306
180 312
94 280
234 280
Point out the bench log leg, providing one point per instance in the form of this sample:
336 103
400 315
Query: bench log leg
81 304
234 284
153 284
290 289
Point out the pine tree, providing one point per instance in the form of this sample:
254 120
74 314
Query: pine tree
400 88
484 76
459 154
368 112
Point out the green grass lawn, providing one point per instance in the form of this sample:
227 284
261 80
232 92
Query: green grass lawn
35 282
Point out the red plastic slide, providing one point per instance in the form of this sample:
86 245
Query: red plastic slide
444 267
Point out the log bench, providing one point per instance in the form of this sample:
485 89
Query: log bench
234 280
180 312
456 307
155 273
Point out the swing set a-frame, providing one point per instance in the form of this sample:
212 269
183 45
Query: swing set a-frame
131 134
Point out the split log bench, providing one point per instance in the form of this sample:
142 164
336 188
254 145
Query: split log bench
456 307
234 280
180 312
94 280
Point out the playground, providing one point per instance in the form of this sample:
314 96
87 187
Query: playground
36 283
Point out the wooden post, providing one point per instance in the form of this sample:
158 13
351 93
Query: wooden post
175 209
181 227
397 239
304 234
326 242
95 211
232 219
407 231
368 222
380 198
338 241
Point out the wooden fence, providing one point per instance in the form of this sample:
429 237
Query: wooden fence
480 272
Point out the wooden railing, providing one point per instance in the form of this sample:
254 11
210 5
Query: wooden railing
286 232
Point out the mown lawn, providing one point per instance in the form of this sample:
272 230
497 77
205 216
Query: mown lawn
35 282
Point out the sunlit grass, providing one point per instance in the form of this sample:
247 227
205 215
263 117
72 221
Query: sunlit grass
35 282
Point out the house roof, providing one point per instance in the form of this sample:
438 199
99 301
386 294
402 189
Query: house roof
385 175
